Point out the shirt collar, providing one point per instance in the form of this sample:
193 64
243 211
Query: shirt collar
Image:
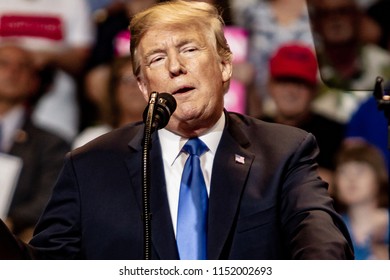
176 142
11 123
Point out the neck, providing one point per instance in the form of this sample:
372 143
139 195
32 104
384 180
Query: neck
362 219
192 128
361 213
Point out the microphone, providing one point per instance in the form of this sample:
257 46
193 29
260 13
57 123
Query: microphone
164 106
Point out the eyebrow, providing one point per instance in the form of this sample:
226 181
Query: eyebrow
152 52
179 45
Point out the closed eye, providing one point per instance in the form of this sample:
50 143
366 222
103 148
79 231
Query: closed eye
155 59
190 49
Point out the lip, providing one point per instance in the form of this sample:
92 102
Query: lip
183 90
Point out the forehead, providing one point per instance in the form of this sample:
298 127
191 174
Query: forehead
165 36
13 53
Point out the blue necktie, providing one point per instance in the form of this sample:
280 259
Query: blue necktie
191 233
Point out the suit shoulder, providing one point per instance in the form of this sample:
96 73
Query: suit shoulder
253 126
116 140
270 140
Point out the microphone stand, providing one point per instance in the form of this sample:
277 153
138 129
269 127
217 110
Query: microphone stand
383 103
146 215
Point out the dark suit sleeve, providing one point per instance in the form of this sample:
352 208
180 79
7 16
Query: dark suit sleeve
57 235
313 229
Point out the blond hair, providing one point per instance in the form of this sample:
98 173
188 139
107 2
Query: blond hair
197 14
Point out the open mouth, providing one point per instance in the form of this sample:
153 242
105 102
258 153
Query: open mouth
183 90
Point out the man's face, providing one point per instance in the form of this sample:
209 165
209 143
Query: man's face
16 74
184 62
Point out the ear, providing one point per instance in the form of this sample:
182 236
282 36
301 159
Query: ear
143 88
226 70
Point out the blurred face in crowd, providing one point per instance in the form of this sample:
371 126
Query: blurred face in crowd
336 20
17 74
96 84
356 183
292 97
183 61
128 94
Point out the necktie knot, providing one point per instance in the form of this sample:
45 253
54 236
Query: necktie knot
195 146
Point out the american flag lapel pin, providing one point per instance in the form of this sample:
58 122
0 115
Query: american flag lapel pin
239 159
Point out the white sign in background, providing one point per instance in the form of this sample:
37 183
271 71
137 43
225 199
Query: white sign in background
10 167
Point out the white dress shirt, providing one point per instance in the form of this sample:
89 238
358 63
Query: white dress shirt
174 161
11 122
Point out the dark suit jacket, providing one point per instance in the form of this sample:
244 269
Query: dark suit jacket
42 154
273 206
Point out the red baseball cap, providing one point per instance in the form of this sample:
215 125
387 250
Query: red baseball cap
294 61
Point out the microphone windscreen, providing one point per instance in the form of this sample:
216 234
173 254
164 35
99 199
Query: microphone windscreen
166 105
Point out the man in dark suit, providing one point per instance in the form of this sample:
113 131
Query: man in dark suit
40 152
265 198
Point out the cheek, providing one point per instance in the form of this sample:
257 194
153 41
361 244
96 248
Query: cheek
342 183
142 86
278 95
157 81
369 184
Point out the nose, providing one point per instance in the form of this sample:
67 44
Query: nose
176 65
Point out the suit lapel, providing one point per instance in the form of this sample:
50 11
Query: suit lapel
21 140
163 238
227 183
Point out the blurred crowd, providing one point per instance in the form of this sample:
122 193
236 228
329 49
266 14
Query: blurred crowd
66 78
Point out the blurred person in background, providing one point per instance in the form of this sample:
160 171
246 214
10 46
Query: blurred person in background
378 11
361 193
238 7
371 124
40 151
348 65
121 101
93 87
293 85
111 22
271 23
60 35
